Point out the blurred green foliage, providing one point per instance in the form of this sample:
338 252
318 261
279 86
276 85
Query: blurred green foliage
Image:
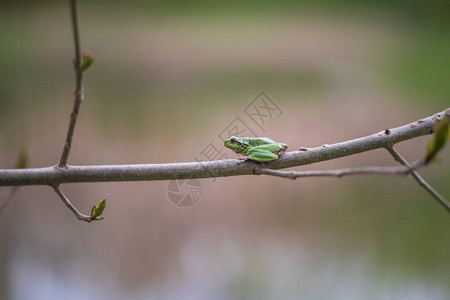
421 70
429 9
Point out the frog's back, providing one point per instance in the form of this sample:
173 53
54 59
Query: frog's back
260 141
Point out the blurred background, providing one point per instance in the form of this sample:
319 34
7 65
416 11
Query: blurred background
169 77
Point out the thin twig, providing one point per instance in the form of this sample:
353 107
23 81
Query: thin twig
67 202
79 96
8 197
260 170
419 179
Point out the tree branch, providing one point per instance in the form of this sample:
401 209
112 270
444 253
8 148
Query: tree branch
419 179
62 173
221 168
79 95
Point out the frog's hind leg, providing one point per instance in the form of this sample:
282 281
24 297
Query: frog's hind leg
261 155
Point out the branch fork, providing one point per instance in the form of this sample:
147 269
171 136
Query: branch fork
79 68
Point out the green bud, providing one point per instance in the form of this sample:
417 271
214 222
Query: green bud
100 207
22 160
88 60
98 210
439 139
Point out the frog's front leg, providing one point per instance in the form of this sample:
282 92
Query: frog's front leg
242 159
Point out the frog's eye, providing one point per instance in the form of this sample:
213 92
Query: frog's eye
233 140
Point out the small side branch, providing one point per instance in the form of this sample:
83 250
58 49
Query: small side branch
419 179
259 170
67 202
79 96
9 195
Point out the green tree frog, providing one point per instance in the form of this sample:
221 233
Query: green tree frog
256 149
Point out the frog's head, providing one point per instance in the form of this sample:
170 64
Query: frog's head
236 144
